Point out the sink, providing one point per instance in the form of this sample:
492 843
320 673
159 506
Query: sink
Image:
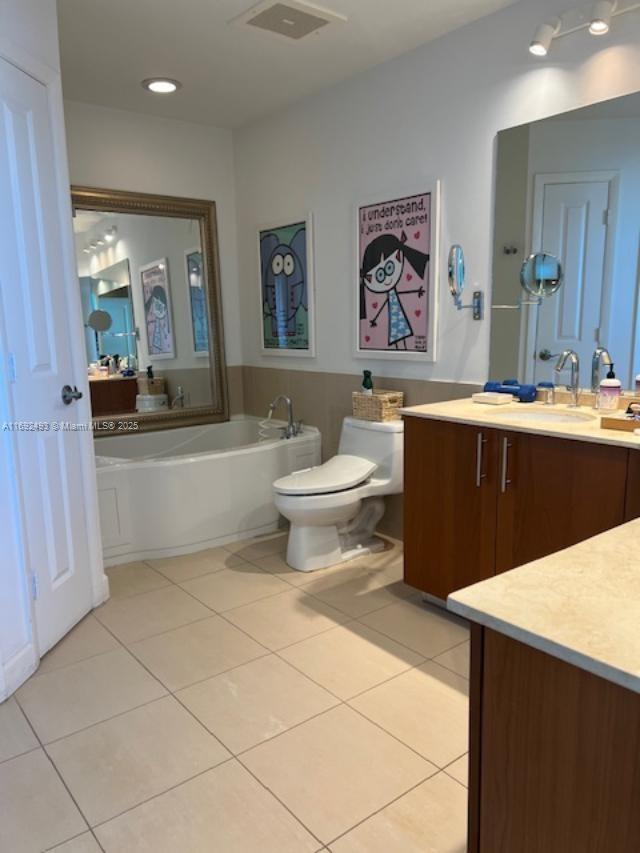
532 414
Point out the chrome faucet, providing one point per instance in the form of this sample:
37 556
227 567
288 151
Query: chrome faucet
600 356
178 400
293 427
574 386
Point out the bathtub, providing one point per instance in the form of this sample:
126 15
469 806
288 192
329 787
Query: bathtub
167 493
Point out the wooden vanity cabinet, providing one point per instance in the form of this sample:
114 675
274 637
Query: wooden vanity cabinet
480 501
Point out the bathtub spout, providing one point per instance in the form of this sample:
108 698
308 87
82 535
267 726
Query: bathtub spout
293 427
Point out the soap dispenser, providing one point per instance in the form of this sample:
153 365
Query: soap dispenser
367 382
610 392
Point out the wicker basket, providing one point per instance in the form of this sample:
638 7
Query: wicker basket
379 406
152 386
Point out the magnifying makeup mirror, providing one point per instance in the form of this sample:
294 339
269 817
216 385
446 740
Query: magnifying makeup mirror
100 321
457 275
541 274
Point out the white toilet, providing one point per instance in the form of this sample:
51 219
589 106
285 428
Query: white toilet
335 508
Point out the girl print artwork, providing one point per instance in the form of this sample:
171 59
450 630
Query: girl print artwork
394 290
157 309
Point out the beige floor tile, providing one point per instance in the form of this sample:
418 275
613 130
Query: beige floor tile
222 811
36 811
427 708
430 819
87 639
283 619
132 619
335 770
457 659
119 763
254 702
277 565
66 700
234 587
357 590
84 843
132 579
188 566
350 659
421 627
16 736
196 651
251 549
460 770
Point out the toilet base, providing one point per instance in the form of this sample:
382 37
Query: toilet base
317 547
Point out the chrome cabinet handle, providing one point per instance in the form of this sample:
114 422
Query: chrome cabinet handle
505 481
480 442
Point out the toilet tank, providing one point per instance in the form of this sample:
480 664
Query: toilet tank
382 443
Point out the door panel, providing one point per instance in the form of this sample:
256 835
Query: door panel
450 505
573 228
39 329
554 493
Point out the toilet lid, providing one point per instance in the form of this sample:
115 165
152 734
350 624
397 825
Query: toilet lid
336 475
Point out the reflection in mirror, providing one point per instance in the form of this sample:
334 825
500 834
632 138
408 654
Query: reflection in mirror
456 272
147 304
541 275
569 186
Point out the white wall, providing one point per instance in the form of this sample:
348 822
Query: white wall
435 111
115 149
31 26
604 145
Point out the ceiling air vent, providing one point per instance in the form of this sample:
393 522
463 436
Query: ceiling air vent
292 19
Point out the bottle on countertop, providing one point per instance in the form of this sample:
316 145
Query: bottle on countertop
610 392
367 382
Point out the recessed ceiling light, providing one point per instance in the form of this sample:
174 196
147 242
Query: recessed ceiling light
601 17
161 85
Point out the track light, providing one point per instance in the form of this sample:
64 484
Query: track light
110 235
601 17
87 250
543 37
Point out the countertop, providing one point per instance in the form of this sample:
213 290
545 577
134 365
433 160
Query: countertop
581 605
501 417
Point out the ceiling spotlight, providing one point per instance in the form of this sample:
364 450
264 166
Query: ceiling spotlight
161 85
93 245
100 241
543 37
87 250
601 17
110 235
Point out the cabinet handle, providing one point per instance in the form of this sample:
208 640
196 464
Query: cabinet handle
480 476
505 481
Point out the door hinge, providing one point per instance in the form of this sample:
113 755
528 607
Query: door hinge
11 368
605 217
35 586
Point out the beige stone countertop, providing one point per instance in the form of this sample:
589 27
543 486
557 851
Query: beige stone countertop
527 417
581 605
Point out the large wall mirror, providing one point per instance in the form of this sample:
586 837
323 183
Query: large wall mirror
149 282
569 186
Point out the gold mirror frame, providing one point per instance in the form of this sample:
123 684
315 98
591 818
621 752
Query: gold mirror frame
147 204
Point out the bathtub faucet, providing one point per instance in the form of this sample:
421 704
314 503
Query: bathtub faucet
293 427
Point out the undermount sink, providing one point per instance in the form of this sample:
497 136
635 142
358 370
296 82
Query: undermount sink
549 415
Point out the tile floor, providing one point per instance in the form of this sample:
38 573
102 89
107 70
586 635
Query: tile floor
223 702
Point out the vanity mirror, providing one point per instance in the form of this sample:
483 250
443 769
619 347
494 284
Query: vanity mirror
149 282
568 200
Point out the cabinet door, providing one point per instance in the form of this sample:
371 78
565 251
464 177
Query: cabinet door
450 484
554 493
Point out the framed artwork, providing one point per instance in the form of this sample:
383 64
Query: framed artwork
397 275
158 320
286 288
197 302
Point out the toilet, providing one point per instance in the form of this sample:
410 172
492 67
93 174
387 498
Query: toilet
335 508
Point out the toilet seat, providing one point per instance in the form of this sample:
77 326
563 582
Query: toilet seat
339 474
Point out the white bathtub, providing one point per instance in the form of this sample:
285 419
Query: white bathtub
173 492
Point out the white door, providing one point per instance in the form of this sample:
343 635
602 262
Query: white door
570 221
38 330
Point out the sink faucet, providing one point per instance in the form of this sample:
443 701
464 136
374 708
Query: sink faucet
178 400
293 427
600 356
574 386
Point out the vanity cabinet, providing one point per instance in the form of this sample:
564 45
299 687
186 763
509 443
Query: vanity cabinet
479 500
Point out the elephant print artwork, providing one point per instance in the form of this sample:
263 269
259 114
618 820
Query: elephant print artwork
394 275
285 288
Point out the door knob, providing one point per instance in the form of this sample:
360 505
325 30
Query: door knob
70 394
